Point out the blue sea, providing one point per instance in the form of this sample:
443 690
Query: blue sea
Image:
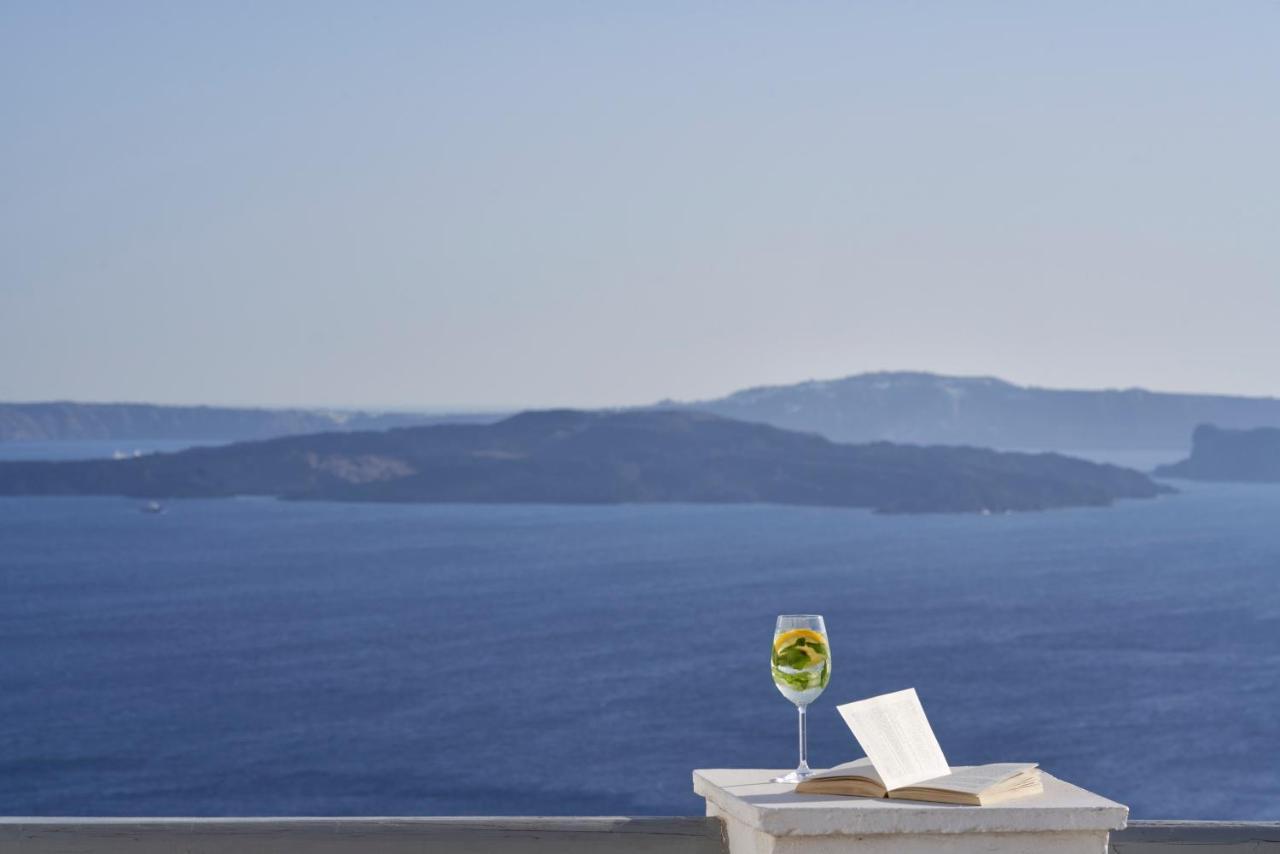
260 657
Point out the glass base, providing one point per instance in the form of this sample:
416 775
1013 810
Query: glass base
802 773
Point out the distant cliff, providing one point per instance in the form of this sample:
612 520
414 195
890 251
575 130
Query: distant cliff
594 457
81 421
1239 455
931 409
916 408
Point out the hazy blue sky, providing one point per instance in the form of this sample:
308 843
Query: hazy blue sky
595 203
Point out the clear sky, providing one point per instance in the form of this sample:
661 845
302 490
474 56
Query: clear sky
486 204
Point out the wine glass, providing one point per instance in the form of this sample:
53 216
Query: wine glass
801 664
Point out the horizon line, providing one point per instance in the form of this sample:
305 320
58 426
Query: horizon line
500 409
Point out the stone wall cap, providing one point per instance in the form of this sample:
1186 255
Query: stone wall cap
747 795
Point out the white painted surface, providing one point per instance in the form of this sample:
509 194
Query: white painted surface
747 795
769 818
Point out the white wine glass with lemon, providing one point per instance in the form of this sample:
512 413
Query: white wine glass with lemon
801 665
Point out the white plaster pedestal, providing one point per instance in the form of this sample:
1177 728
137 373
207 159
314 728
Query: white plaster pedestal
768 818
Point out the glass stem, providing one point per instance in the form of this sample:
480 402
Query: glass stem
804 740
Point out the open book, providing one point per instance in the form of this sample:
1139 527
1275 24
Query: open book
904 760
977 785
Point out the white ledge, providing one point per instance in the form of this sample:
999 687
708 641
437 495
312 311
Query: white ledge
773 808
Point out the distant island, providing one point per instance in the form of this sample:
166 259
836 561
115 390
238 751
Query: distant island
1230 455
68 421
931 409
566 456
905 407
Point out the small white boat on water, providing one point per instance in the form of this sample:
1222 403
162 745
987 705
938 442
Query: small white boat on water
152 507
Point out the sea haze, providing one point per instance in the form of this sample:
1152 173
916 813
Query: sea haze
259 657
95 449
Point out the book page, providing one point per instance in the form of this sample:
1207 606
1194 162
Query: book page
975 779
897 738
861 768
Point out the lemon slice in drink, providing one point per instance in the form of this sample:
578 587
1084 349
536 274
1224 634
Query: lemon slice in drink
786 639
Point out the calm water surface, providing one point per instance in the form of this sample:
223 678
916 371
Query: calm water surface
255 657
